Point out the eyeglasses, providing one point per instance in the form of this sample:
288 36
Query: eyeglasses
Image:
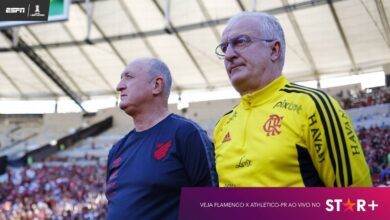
237 43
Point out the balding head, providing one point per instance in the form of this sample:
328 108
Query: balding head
156 68
268 26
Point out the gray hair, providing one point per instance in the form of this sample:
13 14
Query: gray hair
157 67
269 26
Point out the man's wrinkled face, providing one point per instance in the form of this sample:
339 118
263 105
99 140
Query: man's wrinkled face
134 86
245 66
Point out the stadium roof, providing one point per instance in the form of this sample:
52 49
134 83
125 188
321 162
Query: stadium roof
53 60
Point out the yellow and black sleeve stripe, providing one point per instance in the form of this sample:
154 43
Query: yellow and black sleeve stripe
334 135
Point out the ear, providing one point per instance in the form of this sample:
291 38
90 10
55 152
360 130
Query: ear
275 51
158 85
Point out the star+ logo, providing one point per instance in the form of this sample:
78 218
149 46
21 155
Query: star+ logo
361 205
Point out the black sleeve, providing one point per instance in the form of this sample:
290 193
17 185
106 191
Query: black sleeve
197 154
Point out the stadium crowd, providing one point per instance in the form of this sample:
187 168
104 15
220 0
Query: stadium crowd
377 96
376 146
54 192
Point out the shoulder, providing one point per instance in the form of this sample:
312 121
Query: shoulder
184 125
183 128
226 117
318 105
224 121
300 92
315 98
227 113
188 131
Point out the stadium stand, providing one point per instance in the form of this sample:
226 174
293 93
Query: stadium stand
366 117
42 130
70 184
376 146
16 129
350 99
21 156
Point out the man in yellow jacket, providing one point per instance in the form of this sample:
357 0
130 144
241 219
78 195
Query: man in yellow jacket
280 134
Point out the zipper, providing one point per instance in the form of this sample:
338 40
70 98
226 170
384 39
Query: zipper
246 128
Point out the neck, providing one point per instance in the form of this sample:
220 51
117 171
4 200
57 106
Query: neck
148 119
266 78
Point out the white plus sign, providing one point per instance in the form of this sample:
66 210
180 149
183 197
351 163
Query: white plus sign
373 205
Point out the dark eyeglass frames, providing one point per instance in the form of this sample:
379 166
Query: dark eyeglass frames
237 43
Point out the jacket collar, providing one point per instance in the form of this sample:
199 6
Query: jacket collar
263 95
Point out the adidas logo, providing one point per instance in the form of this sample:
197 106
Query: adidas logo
226 138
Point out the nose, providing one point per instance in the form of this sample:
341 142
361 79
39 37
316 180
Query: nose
230 53
121 86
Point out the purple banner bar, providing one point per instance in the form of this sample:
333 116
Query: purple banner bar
285 203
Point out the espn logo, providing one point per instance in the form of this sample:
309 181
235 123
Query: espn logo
14 10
